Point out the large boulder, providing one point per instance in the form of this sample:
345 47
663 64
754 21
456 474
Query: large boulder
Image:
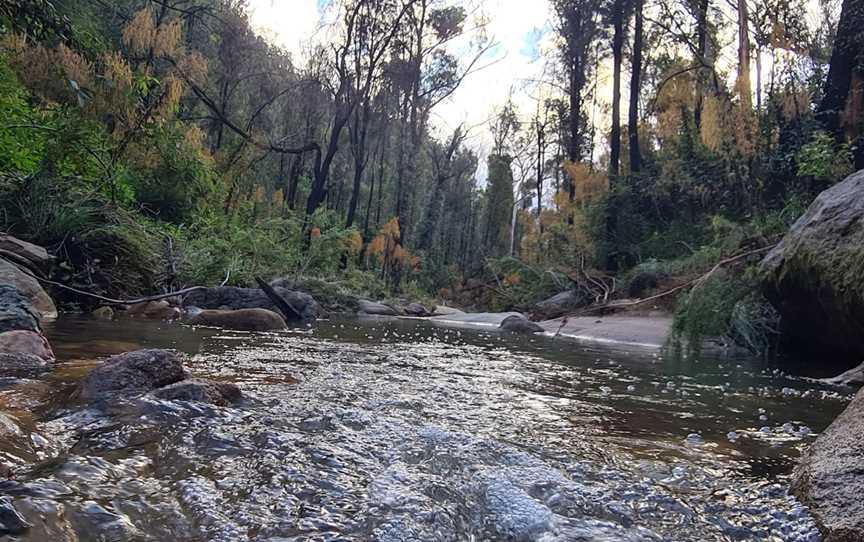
29 287
200 391
830 476
25 342
815 276
227 297
16 312
240 319
131 373
519 324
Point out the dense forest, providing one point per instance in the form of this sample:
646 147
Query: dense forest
155 144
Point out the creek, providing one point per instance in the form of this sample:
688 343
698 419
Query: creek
404 431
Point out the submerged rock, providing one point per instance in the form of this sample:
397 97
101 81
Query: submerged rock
830 478
201 391
103 313
815 276
25 342
231 298
28 287
16 312
520 324
133 372
154 310
241 319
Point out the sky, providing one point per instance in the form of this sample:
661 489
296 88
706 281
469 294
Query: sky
517 27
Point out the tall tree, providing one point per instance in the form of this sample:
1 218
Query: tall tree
617 58
635 90
841 110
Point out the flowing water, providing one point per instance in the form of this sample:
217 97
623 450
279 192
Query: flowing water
402 431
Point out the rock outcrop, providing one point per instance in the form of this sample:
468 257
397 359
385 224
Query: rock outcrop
830 477
134 372
200 391
29 287
240 319
230 298
815 276
520 324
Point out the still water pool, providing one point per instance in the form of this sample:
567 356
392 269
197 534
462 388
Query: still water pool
403 431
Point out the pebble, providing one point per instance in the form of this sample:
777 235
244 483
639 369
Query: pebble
732 436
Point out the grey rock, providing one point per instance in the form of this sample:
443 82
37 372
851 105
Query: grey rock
228 297
28 287
378 309
830 479
35 254
22 365
134 372
442 310
416 309
201 391
558 305
520 324
240 319
815 275
16 312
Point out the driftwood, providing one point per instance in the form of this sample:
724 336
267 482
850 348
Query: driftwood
286 308
112 301
695 283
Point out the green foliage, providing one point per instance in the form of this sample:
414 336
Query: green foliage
182 180
21 147
823 159
521 285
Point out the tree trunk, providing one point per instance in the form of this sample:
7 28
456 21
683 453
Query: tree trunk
635 87
842 104
744 88
701 73
617 57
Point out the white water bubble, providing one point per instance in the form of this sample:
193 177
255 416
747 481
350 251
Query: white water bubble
631 388
695 438
732 436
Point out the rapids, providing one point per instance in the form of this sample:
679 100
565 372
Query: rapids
402 431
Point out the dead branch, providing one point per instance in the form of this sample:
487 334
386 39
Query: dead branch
286 308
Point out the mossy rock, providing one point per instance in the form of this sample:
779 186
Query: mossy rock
815 276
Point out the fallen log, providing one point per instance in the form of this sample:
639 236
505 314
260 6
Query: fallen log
287 309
